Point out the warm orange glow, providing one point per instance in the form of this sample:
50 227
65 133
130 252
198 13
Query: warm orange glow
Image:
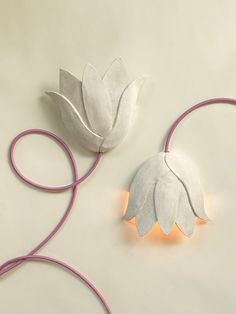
200 221
209 203
124 204
174 236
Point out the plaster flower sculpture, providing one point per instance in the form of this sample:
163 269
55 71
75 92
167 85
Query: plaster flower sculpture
99 111
166 189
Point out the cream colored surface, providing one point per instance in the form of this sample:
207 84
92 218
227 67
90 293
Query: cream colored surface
187 49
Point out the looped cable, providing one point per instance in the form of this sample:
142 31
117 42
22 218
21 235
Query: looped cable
9 265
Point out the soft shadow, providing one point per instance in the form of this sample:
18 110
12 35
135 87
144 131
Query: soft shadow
52 114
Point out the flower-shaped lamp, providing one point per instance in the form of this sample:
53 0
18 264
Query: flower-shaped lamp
98 111
166 189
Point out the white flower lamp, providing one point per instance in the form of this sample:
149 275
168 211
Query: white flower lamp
167 189
99 111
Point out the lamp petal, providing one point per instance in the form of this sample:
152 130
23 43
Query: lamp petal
71 88
75 124
116 80
97 102
144 179
188 175
125 115
185 217
166 201
146 218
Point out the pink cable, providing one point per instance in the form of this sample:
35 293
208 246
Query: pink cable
63 265
7 266
191 109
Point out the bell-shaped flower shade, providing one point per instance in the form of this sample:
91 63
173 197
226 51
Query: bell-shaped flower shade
99 111
167 190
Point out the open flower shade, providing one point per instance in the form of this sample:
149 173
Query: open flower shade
167 190
98 111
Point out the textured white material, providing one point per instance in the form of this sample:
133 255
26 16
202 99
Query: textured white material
166 189
187 49
98 111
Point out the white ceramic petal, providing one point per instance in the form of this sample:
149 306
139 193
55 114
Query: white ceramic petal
116 80
97 102
125 115
173 177
71 88
75 124
185 217
146 176
146 218
167 194
188 175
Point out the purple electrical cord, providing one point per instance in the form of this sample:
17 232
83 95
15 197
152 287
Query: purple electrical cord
7 266
191 109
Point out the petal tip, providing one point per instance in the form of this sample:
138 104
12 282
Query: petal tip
203 216
118 60
139 82
142 231
90 72
49 92
61 71
166 229
128 214
52 93
188 235
88 67
187 231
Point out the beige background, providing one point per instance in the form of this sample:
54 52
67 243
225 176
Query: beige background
188 51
